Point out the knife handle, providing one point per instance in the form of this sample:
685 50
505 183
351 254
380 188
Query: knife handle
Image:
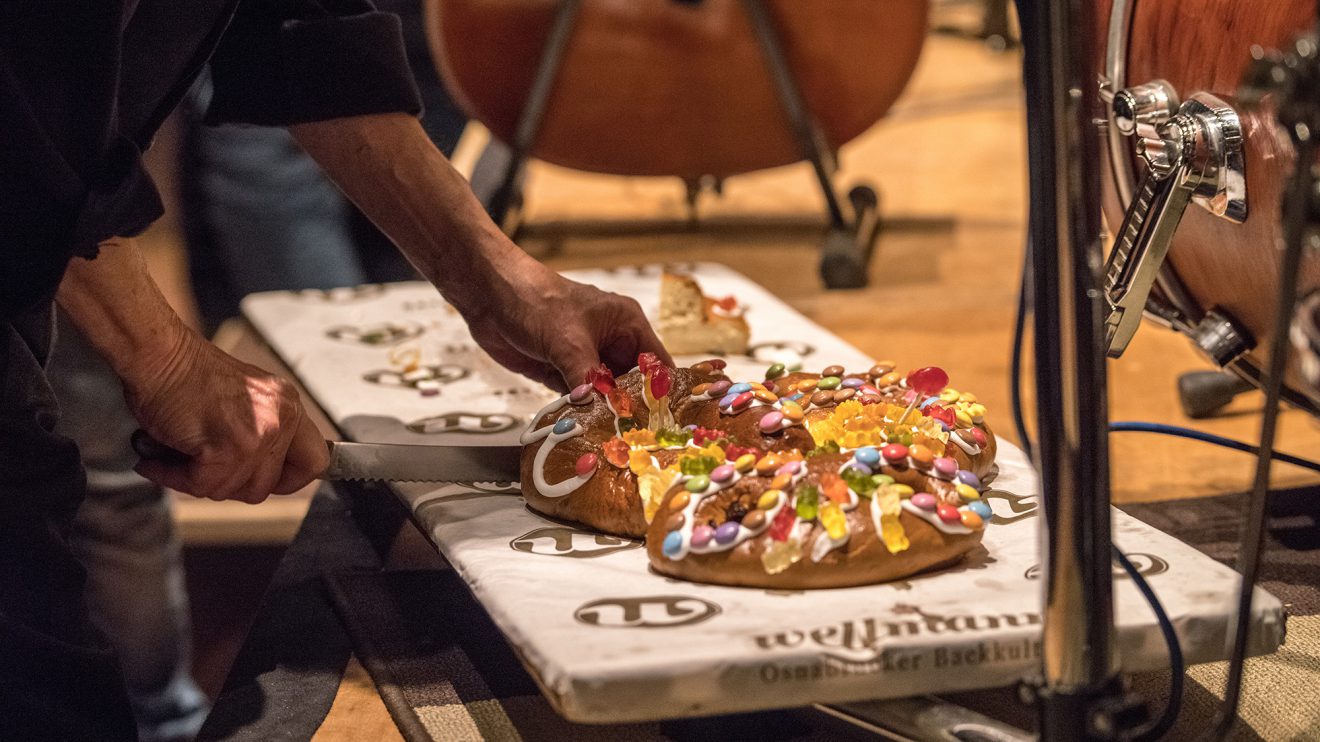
150 448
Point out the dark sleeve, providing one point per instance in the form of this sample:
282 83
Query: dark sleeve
294 61
68 178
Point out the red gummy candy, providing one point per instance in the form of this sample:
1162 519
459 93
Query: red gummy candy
928 380
728 303
733 451
621 401
648 362
702 436
782 525
601 379
943 414
661 381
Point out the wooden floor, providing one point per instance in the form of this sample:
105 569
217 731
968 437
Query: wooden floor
949 163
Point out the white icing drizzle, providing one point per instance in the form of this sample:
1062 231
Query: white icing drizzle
552 439
824 544
529 435
969 447
930 517
744 533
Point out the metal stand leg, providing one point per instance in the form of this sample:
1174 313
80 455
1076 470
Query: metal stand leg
849 243
504 202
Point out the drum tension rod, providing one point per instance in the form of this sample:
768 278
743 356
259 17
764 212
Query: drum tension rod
1192 156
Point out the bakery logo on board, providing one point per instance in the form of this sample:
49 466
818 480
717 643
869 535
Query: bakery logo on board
856 647
563 541
343 294
464 422
376 334
780 351
1021 506
418 378
1147 565
652 612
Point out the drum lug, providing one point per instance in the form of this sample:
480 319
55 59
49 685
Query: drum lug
1221 338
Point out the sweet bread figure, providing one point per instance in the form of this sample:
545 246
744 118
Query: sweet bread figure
800 480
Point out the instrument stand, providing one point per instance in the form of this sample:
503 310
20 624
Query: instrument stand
850 240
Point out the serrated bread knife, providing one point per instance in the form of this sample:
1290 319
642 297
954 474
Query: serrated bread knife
391 462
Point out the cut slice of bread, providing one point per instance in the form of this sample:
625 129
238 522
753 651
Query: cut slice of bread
692 323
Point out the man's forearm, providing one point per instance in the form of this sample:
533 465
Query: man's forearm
391 170
117 306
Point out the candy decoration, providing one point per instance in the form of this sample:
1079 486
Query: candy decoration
744 463
616 452
843 395
867 455
791 410
717 363
921 455
564 425
790 468
722 473
881 368
720 387
581 394
675 522
832 371
741 402
969 478
698 483
852 382
945 467
828 382
781 555
808 503
769 499
620 401
740 387
661 382
834 521
928 381
673 544
938 412
924 500
834 488
982 508
701 535
771 421
894 452
783 524
754 520
726 532
967 492
947 513
700 389
889 506
585 465
775 371
979 436
727 400
601 379
821 398
680 500
970 518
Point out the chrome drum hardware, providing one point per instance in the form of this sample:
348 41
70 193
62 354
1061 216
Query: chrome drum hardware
1191 156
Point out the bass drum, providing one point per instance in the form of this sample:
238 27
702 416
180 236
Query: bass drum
1214 263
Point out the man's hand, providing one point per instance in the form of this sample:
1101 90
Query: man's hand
526 316
243 429
554 330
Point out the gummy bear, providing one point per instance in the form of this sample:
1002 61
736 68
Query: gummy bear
783 524
648 362
600 378
834 487
621 401
808 502
702 436
660 381
941 413
616 452
781 555
835 522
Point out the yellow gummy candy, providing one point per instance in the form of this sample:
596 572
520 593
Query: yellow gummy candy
639 460
640 439
781 555
887 499
835 522
652 486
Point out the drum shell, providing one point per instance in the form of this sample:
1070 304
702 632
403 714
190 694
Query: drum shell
1204 46
658 87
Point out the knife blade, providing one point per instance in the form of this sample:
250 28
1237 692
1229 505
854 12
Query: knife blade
391 462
